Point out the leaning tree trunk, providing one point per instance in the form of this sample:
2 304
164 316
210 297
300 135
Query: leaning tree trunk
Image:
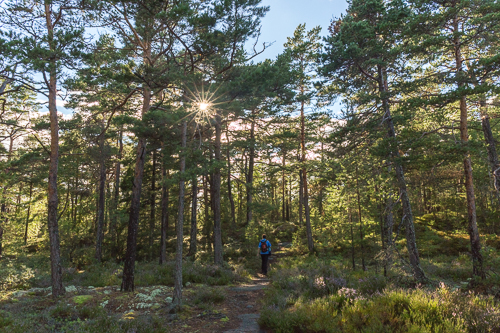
218 258
177 299
101 203
491 147
477 258
55 252
411 242
194 210
135 205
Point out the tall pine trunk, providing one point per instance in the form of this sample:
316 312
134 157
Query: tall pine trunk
194 210
477 259
229 187
116 197
152 203
101 202
164 209
283 188
206 205
310 243
251 162
218 256
361 235
135 205
55 252
411 242
177 299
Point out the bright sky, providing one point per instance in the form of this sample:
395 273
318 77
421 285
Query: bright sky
280 22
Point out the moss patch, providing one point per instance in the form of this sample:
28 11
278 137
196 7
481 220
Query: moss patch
82 299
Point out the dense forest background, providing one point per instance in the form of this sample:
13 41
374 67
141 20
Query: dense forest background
182 150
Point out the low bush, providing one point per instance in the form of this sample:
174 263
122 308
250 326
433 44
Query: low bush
5 319
210 296
312 297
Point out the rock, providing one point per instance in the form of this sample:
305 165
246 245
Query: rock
107 292
143 305
172 317
156 292
20 293
188 284
169 299
249 306
103 304
91 287
144 297
71 289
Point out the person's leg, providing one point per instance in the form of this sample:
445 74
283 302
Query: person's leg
265 258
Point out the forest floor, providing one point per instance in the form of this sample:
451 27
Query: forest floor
230 308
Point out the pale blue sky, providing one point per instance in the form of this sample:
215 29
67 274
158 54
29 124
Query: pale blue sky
285 15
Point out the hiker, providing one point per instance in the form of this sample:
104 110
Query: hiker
265 252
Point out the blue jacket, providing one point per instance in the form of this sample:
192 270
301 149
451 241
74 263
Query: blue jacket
268 246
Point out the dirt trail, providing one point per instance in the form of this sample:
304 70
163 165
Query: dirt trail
239 313
244 299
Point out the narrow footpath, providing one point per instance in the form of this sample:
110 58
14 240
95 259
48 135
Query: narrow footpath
245 298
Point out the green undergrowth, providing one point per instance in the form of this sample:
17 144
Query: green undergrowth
15 276
308 294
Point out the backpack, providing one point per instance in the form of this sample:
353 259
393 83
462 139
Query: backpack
263 246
